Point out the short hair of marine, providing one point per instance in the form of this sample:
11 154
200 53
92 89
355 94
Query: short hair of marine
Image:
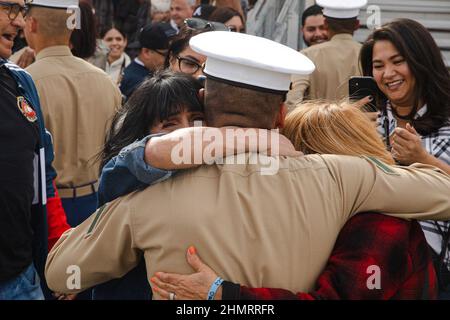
52 22
349 25
165 94
229 105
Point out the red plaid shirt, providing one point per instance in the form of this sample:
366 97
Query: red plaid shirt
398 247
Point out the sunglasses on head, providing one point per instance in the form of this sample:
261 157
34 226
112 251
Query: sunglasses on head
200 24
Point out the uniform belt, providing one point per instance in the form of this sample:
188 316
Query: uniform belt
80 191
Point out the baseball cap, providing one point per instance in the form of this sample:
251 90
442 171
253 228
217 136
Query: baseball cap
154 36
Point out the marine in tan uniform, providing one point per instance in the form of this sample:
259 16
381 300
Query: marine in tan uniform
259 230
78 101
336 60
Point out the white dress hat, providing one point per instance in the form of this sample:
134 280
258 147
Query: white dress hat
59 4
249 61
341 9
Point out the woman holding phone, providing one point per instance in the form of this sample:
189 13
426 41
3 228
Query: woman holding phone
408 68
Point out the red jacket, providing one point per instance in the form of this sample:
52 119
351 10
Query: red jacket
56 219
398 247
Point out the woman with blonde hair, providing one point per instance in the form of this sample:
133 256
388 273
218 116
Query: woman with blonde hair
398 246
334 128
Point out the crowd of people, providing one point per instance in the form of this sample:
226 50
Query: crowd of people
89 176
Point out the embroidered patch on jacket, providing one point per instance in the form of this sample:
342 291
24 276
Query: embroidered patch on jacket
26 110
381 165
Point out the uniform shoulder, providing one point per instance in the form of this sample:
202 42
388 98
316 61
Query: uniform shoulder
338 158
90 67
311 50
331 45
69 68
58 65
209 179
357 45
43 68
364 166
34 67
318 49
82 66
344 163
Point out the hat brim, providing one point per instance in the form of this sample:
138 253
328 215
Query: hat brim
135 45
341 14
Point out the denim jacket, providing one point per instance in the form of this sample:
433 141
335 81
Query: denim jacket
125 173
128 172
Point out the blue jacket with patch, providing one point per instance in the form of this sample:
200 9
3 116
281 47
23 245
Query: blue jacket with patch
46 173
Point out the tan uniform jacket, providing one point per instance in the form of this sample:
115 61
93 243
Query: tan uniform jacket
16 56
257 230
336 61
78 101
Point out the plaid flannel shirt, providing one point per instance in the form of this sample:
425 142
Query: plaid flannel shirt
438 145
397 247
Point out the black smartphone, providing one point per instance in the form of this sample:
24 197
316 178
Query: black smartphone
361 87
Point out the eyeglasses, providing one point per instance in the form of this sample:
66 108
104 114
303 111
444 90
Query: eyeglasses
14 9
200 24
189 66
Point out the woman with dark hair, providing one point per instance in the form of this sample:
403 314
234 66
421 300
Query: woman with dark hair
163 103
181 58
117 60
83 41
230 17
234 4
408 68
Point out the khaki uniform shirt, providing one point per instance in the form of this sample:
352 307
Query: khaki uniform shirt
16 56
336 61
257 230
78 101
